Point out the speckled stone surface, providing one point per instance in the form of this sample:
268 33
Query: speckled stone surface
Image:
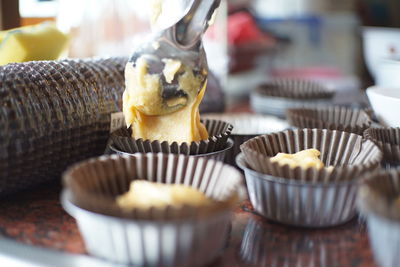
36 217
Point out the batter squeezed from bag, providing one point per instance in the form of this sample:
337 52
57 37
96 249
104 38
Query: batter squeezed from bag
142 103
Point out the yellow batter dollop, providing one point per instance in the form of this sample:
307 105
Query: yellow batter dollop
144 194
142 91
304 159
144 109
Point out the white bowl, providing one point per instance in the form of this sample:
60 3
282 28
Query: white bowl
386 104
380 43
387 75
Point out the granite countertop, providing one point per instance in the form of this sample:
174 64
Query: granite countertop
35 217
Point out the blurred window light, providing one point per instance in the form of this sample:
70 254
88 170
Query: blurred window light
38 8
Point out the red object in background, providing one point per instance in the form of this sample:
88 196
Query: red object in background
243 29
246 41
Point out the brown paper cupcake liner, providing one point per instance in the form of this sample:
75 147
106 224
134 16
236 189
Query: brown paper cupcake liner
94 184
388 139
172 236
277 96
331 118
376 202
295 89
245 127
216 155
218 131
151 243
349 153
300 203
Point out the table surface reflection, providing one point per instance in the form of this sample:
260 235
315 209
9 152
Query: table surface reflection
36 217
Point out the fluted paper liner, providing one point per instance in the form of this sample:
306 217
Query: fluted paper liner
349 153
295 89
218 131
331 118
277 96
177 236
216 155
388 139
300 203
245 127
376 203
94 184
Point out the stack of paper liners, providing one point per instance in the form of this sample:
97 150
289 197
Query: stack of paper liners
171 236
331 118
388 139
52 114
218 131
376 201
350 154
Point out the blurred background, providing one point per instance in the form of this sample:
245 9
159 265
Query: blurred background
346 44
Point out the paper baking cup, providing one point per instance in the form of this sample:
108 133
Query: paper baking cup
300 203
173 236
331 118
349 153
217 155
277 96
277 106
218 131
388 139
295 89
245 127
375 201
